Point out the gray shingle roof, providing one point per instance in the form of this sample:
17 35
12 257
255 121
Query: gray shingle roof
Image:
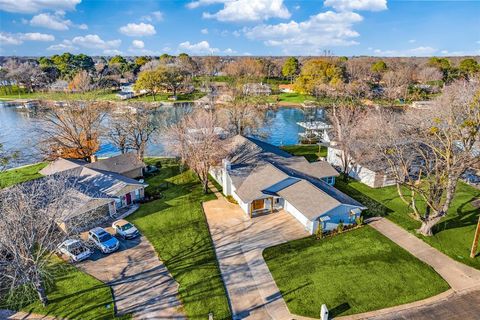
259 169
120 164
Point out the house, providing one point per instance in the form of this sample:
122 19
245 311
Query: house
374 174
263 179
101 189
256 89
287 88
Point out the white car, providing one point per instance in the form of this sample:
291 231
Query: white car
125 229
75 250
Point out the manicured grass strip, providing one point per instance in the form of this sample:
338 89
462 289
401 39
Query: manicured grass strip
354 272
176 227
310 152
97 95
452 236
75 295
15 176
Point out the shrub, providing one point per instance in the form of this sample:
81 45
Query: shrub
319 231
359 221
340 226
231 199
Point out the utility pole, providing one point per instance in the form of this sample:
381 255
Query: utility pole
473 253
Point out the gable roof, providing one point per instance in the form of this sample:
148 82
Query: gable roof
259 169
122 163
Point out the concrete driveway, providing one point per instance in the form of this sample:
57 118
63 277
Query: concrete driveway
239 242
140 282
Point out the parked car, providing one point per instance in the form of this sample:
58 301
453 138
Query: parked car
103 240
75 250
125 229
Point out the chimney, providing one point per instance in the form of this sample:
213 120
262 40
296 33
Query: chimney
93 158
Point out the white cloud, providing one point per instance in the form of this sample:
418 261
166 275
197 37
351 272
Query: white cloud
138 30
423 51
93 41
204 31
19 38
229 51
202 47
460 53
65 46
312 36
35 36
351 5
55 21
9 40
32 6
249 10
50 21
112 52
196 4
154 16
138 44
412 41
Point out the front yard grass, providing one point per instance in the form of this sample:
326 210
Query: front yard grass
177 228
453 235
354 272
311 152
74 295
18 175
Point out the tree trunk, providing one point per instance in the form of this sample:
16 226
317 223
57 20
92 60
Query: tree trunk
39 287
450 192
427 226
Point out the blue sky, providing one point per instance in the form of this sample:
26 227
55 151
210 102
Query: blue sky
240 27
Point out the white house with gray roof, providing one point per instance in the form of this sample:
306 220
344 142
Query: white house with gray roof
264 179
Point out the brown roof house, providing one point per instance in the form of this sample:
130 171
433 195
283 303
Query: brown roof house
103 189
263 179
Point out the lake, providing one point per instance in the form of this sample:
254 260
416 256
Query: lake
18 130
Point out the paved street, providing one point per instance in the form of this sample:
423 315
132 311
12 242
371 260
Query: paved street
140 282
464 306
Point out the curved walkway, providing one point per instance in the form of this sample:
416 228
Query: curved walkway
141 284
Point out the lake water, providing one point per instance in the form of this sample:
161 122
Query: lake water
18 131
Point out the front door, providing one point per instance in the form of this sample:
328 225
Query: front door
258 204
128 197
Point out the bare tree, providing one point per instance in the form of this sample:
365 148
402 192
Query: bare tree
72 131
395 84
29 234
139 129
81 82
427 74
117 133
196 139
347 121
429 150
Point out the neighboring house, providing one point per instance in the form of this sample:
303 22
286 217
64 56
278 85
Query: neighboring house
256 89
59 86
374 174
287 88
263 178
102 188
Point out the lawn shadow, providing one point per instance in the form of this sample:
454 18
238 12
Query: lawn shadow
338 310
463 218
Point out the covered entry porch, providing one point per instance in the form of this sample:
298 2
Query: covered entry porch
265 205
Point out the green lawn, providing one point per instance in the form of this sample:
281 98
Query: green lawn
14 176
294 97
354 272
310 152
177 228
453 235
75 295
97 95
